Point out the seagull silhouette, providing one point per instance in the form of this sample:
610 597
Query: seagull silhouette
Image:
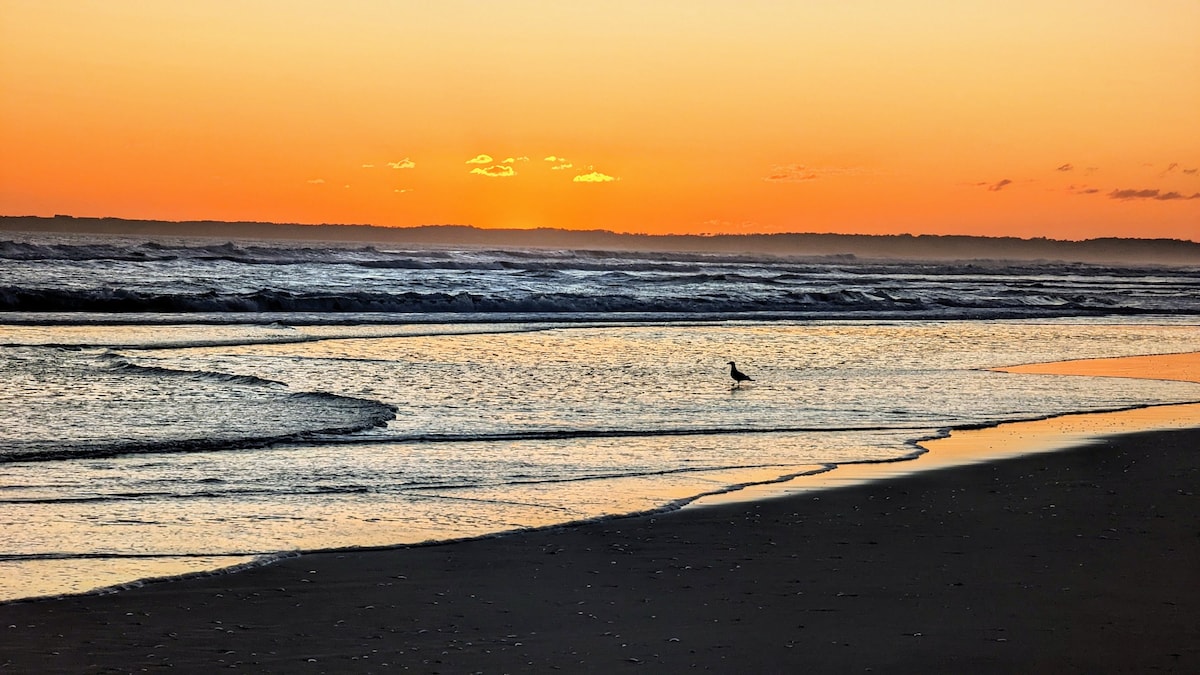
738 376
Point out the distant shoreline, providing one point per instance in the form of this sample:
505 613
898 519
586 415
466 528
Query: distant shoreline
902 246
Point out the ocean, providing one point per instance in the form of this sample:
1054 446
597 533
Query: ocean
178 406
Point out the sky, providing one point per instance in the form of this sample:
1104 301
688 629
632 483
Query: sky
1028 118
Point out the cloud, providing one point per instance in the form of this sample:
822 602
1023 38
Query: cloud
998 186
594 177
792 173
405 163
1150 193
1176 166
480 159
316 181
496 171
560 163
552 158
402 190
368 166
1082 189
560 167
1065 167
513 160
799 173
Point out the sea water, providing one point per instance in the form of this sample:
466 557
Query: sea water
181 406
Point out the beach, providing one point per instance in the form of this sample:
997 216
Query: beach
1080 560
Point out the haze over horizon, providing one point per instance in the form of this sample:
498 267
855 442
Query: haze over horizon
1070 120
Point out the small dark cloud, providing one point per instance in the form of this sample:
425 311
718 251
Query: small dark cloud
1065 167
1176 166
1082 190
998 186
1154 194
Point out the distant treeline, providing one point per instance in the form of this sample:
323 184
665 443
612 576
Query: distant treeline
921 247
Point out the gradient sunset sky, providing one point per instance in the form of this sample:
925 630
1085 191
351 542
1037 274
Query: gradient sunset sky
1056 118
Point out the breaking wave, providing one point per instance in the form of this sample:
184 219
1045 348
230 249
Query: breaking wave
834 302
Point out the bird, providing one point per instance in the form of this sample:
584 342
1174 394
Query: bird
738 376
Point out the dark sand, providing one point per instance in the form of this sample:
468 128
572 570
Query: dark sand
1085 560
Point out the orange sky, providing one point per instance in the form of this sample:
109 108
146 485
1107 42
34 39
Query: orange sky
1022 118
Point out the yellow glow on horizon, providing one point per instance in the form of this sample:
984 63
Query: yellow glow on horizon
1070 119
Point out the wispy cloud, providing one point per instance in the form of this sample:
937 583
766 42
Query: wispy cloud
402 190
497 171
368 166
1069 167
799 173
995 186
1151 193
405 163
1177 167
560 163
316 181
480 159
594 177
514 160
791 173
1082 189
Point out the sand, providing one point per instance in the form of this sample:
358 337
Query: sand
1085 560
1081 560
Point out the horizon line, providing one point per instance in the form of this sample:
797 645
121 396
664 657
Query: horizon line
660 236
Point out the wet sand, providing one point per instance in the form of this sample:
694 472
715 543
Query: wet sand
1082 560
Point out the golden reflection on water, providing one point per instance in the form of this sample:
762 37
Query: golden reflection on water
591 376
31 579
969 446
1182 367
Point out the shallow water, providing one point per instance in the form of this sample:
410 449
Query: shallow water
158 448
